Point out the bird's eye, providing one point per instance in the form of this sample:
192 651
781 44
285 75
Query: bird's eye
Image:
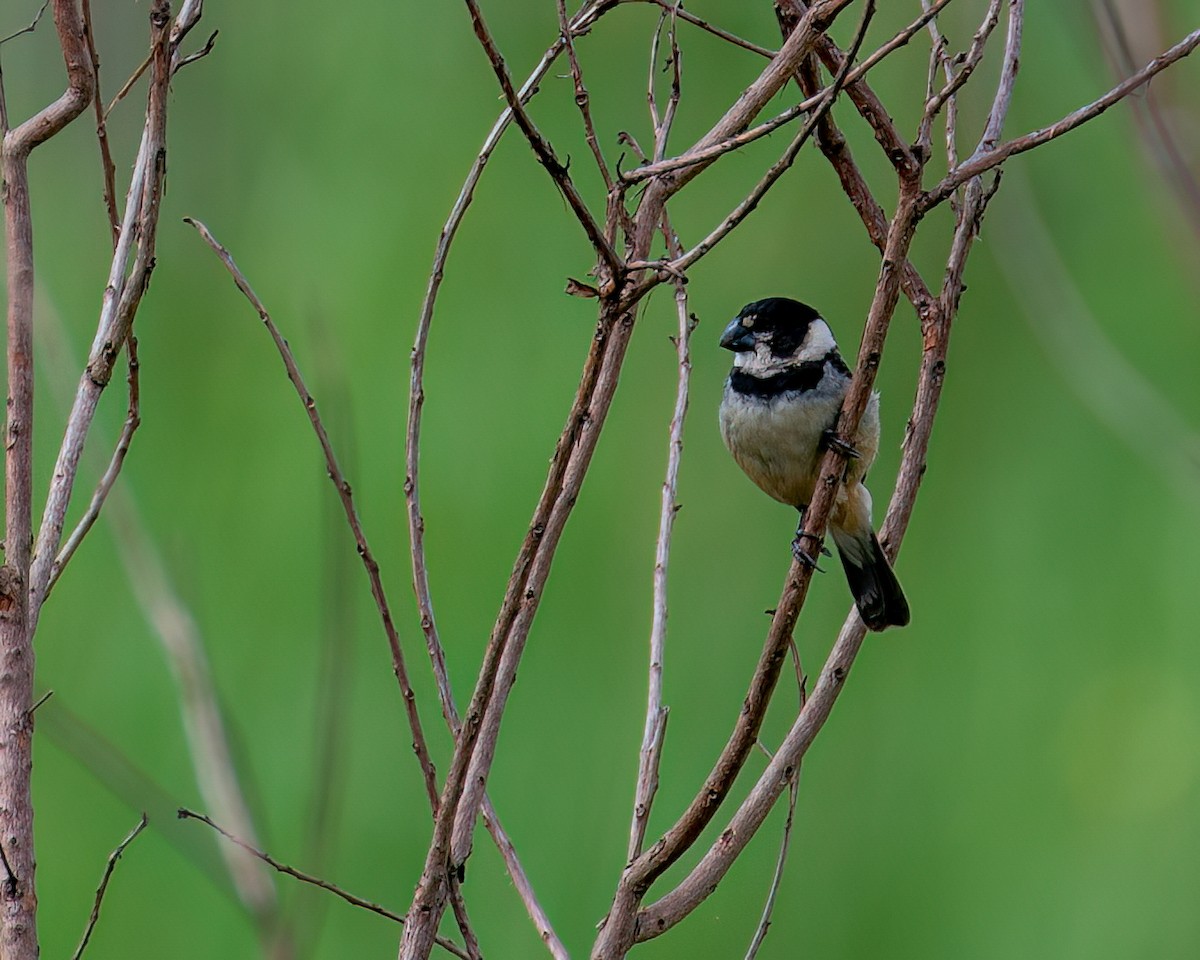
748 322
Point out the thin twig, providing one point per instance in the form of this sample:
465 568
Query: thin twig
128 278
100 890
200 54
764 922
660 916
981 163
956 79
459 907
939 59
677 8
654 729
648 170
126 87
133 420
543 150
107 169
342 486
652 79
781 166
40 700
521 883
37 18
1008 78
582 98
663 124
185 814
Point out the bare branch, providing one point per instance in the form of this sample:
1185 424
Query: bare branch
811 102
18 616
707 874
654 729
475 746
747 206
543 151
982 162
764 923
100 890
133 420
579 24
582 99
1008 78
675 7
107 169
345 495
955 80
185 814
122 297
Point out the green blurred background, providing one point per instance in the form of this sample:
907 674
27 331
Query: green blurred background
1016 774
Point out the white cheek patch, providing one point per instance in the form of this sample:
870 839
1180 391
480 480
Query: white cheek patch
817 342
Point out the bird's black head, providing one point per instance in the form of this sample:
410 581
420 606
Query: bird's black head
778 321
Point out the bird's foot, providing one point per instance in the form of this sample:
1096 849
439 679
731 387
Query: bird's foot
802 555
831 441
800 535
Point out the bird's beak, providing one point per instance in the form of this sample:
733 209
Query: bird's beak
736 337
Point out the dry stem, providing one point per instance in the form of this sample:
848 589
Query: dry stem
185 814
347 499
18 906
109 867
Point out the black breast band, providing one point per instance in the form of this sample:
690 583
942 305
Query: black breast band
801 378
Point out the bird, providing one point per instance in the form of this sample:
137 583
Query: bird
778 412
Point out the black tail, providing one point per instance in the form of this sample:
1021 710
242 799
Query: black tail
876 590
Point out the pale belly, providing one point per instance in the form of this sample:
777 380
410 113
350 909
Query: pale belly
777 442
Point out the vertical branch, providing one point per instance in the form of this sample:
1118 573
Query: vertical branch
18 900
582 98
656 712
122 297
107 169
708 873
476 742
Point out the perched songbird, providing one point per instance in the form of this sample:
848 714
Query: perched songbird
781 403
